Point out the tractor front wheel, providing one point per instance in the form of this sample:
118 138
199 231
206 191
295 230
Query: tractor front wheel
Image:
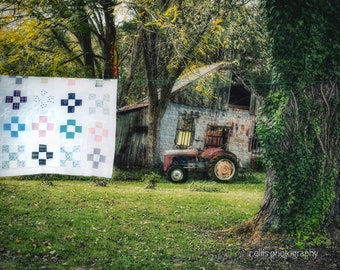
223 168
177 174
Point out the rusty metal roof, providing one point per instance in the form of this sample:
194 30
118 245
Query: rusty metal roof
188 78
133 106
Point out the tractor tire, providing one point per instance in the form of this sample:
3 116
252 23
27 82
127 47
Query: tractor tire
177 174
223 168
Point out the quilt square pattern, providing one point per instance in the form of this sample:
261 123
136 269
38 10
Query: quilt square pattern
57 125
42 155
71 102
12 156
16 99
14 126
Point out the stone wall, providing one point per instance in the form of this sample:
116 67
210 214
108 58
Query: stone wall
241 121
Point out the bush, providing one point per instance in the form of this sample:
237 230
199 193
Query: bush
151 179
129 174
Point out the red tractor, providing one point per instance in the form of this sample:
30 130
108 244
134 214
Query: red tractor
220 164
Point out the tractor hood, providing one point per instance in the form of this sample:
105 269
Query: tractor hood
180 152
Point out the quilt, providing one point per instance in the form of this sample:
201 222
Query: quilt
57 125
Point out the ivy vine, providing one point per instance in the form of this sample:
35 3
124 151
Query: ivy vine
300 119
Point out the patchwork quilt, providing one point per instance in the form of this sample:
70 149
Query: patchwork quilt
57 125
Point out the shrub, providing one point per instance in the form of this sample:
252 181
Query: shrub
129 174
151 180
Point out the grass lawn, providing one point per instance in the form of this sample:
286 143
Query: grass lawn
80 225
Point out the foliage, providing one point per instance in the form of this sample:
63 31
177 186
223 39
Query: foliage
78 225
175 35
35 54
241 40
298 129
151 180
304 40
130 175
259 164
58 38
199 32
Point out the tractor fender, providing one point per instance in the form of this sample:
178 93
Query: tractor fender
210 153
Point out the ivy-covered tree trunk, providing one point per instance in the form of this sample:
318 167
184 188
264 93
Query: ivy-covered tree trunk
267 218
302 141
300 126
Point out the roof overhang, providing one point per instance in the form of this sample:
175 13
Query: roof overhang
193 75
184 81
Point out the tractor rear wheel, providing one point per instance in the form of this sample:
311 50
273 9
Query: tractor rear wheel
223 168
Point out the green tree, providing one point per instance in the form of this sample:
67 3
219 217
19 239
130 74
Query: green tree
169 32
27 49
132 86
300 128
82 32
242 42
172 36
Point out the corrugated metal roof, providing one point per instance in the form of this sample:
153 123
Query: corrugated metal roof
185 80
133 106
193 75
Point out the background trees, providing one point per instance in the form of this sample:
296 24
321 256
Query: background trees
161 40
59 38
236 36
169 34
175 35
300 127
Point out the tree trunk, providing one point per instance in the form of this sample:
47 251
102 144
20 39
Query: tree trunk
334 215
305 190
83 35
150 56
152 144
86 46
136 55
110 50
156 110
267 218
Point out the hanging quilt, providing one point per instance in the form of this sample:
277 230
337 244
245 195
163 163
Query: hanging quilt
57 125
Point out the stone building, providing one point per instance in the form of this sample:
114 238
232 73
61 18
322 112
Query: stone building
210 106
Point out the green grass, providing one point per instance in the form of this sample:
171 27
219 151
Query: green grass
80 225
